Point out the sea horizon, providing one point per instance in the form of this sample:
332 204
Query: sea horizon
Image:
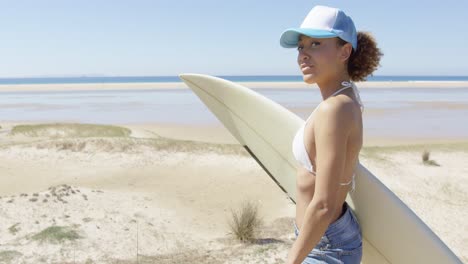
235 78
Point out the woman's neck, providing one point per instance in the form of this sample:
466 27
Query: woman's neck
327 88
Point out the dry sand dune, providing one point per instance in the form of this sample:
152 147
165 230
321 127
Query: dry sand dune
100 194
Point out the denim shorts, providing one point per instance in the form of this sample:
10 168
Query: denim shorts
341 243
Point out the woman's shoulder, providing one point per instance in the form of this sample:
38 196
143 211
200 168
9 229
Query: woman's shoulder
336 107
335 118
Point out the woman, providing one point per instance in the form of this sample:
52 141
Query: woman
331 54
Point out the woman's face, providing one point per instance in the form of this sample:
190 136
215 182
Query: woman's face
320 59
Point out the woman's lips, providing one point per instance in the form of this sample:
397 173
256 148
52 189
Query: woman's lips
305 65
306 68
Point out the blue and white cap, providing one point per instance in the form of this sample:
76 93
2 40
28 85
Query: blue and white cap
322 22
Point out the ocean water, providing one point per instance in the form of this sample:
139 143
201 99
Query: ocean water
254 78
388 112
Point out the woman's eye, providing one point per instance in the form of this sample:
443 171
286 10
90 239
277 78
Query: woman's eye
314 44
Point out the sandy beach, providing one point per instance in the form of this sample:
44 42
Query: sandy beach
253 85
153 194
163 192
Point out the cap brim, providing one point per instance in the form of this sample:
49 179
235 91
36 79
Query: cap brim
290 37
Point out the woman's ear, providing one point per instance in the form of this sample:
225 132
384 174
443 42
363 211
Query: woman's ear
345 51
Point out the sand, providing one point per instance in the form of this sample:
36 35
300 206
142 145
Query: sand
161 195
253 85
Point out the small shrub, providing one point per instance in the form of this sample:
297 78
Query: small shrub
245 222
425 156
427 161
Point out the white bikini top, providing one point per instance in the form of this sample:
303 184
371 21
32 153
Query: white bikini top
298 146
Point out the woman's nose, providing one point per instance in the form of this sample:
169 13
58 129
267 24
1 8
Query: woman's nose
303 56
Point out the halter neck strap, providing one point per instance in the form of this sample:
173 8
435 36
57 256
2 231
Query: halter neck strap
356 92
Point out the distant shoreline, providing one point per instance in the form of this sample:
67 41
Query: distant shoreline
253 85
234 78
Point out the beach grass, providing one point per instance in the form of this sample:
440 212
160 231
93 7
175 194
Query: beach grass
58 130
56 234
116 138
78 137
7 256
197 147
244 223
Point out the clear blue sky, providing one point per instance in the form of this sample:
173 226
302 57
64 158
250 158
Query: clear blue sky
167 37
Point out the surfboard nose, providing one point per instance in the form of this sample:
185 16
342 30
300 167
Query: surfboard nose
191 76
184 76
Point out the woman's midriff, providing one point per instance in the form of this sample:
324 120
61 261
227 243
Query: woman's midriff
305 193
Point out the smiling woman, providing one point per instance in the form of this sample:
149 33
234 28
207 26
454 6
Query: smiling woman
331 54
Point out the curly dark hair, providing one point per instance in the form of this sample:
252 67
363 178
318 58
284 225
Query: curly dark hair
366 59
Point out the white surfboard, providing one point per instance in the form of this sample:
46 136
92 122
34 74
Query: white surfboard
392 233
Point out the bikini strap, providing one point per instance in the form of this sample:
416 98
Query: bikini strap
352 182
356 92
345 86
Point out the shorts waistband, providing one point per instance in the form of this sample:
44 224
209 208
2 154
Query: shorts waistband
341 224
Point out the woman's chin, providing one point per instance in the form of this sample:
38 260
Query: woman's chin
309 79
